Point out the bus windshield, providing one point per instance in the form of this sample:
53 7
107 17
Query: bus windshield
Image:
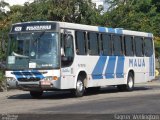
33 50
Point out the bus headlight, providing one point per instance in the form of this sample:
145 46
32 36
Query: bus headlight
10 79
11 82
49 78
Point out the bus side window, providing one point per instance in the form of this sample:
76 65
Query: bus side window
93 43
80 43
117 45
138 46
106 45
67 53
148 47
129 51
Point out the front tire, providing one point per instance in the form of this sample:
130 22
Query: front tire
80 88
36 94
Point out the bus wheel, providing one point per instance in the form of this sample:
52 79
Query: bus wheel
79 91
36 94
130 84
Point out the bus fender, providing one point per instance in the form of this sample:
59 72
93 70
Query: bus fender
127 73
81 73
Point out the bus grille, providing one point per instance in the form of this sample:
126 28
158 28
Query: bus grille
28 80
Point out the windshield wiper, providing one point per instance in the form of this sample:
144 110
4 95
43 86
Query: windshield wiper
19 55
39 36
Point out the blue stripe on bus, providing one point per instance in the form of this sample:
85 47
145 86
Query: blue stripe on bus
37 74
119 31
25 74
120 67
151 66
98 70
101 29
18 74
111 30
109 73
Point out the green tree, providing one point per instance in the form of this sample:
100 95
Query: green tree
3 28
140 15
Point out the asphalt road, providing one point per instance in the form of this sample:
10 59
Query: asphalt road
144 99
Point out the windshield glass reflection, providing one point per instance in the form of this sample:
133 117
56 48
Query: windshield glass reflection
38 48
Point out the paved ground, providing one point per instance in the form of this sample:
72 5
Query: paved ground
144 99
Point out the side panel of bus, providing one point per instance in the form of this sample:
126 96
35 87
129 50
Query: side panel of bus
106 70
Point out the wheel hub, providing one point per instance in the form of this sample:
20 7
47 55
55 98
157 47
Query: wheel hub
79 85
130 83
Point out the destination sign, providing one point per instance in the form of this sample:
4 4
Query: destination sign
39 27
35 26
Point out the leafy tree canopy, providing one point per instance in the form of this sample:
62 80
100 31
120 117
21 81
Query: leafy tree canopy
141 15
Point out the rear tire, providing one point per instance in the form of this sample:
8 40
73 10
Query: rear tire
130 84
80 88
36 94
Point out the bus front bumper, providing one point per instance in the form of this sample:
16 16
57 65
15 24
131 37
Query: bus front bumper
38 85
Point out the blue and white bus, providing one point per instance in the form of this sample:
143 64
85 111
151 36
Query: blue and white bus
50 55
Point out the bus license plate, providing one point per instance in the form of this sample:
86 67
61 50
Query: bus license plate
45 83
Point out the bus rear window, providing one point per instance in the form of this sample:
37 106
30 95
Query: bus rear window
139 46
148 47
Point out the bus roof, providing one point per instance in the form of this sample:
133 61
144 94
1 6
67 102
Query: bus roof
83 27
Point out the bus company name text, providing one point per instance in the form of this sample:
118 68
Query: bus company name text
42 27
136 63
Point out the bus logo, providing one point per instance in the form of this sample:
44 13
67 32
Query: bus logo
136 63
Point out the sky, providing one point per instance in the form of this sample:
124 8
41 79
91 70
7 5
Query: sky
15 2
21 2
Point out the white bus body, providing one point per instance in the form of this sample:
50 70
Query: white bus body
94 69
